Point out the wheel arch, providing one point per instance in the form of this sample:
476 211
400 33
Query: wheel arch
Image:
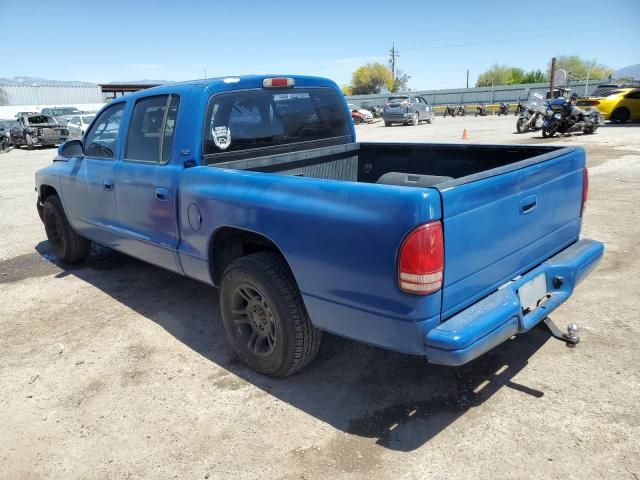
46 191
230 243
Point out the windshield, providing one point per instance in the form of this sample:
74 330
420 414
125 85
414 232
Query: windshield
251 119
87 119
64 111
41 120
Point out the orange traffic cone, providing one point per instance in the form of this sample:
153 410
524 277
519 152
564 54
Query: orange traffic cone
465 134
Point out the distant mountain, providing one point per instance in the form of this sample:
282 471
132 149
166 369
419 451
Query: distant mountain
40 81
632 71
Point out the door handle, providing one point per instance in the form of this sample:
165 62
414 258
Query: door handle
108 185
527 205
161 194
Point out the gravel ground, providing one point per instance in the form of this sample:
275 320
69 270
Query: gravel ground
117 369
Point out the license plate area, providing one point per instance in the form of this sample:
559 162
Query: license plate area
533 293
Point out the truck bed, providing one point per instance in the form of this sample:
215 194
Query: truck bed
369 162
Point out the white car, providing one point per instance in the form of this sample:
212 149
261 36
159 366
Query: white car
368 116
78 125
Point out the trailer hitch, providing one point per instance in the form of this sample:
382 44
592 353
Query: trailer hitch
571 338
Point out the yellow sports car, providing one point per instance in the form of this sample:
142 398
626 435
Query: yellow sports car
618 105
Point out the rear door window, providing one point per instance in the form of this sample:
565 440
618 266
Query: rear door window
152 127
258 119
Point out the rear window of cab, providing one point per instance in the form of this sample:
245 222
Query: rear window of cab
262 119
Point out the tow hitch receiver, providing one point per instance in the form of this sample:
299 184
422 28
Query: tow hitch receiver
571 338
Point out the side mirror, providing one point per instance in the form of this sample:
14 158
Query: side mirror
71 148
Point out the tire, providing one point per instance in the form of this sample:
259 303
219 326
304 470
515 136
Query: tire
67 245
429 120
415 120
387 124
620 115
547 133
264 316
521 125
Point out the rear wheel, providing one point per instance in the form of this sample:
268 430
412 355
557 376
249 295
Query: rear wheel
415 120
387 124
620 115
68 246
264 315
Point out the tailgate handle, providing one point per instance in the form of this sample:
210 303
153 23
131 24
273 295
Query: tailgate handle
528 204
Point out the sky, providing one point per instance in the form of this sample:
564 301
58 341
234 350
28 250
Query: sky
183 39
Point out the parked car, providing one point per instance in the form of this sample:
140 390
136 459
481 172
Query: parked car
61 114
407 109
360 115
619 106
38 129
304 230
78 124
22 114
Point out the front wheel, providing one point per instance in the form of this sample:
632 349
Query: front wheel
522 125
548 132
67 245
264 315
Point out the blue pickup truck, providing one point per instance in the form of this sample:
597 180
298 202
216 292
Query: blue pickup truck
256 185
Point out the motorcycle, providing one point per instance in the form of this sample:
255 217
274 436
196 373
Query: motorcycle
376 111
481 110
448 110
532 116
461 110
503 109
520 108
564 117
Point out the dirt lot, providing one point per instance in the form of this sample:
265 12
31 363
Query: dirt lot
117 369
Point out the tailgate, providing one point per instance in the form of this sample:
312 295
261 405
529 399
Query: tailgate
503 222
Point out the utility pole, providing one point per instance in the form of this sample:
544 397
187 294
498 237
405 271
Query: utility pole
393 55
467 78
551 79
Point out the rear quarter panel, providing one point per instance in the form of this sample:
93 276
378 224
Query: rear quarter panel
340 239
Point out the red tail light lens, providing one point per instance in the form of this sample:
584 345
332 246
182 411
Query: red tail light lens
422 260
585 188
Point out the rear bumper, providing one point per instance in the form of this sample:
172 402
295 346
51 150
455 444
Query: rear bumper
499 316
397 117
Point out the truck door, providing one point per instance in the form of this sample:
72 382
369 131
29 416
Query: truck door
147 182
88 192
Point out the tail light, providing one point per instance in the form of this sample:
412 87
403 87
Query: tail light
421 261
585 188
278 82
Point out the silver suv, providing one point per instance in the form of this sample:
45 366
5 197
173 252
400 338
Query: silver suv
407 109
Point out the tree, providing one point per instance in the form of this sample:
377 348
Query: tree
401 82
578 67
505 75
347 90
371 78
496 75
535 76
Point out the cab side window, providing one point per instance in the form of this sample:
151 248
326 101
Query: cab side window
152 127
102 139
